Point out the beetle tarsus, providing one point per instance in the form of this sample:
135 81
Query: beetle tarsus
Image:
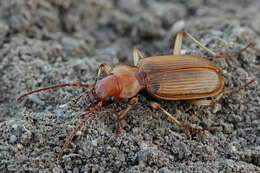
118 125
236 53
205 102
231 92
122 115
239 89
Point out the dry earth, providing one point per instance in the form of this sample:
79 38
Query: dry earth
50 42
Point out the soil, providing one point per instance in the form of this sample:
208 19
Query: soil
44 43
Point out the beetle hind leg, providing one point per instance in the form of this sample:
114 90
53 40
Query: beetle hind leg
174 120
236 53
205 102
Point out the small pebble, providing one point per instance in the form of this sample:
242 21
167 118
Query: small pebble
178 26
26 137
130 6
256 123
69 43
217 108
12 139
35 99
94 143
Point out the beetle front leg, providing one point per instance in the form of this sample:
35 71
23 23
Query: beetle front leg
137 55
178 123
122 115
101 67
104 67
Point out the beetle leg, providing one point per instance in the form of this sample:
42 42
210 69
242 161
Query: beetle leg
226 93
214 54
205 102
101 67
240 88
122 115
199 44
236 53
178 43
178 123
104 67
137 55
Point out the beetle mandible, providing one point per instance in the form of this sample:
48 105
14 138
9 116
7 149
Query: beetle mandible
167 77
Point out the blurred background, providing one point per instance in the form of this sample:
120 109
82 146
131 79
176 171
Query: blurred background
43 43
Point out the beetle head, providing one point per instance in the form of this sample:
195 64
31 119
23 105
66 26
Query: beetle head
106 91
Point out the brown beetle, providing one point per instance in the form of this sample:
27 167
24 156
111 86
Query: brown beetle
168 77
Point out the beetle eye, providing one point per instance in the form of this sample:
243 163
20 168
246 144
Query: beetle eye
110 99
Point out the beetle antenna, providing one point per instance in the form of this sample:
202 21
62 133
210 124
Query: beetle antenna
236 53
56 86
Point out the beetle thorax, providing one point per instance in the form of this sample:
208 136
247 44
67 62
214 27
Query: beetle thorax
128 80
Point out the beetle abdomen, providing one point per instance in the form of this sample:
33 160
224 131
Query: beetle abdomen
181 77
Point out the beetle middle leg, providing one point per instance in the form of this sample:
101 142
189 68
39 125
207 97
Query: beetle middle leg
137 55
104 67
178 43
122 115
174 120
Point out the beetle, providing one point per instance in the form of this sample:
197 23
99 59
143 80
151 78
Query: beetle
167 77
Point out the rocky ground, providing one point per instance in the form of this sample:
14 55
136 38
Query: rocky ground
43 43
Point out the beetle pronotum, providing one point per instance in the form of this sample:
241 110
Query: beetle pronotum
167 77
